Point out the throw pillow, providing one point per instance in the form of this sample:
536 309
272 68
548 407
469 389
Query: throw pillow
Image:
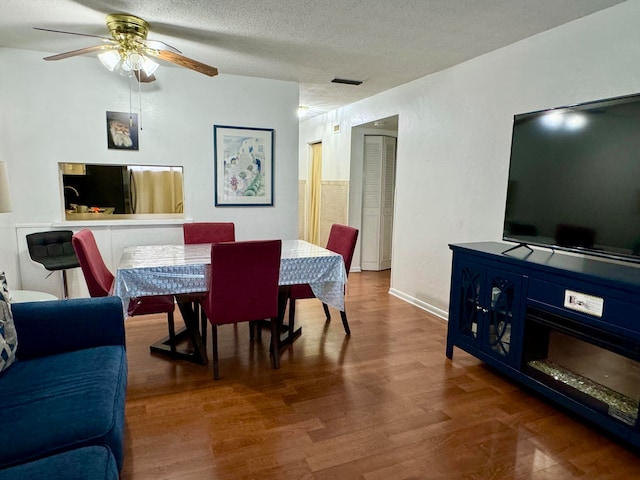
8 336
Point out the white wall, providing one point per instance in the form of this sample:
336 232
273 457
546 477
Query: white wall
54 112
455 131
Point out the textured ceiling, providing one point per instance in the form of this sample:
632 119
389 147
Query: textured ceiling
382 43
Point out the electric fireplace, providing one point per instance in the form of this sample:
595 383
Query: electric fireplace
590 365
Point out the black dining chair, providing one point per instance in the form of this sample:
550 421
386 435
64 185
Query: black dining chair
54 251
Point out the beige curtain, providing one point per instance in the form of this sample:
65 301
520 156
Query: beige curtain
315 183
158 191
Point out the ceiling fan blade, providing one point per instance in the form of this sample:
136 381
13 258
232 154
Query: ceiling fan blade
74 33
81 51
157 45
183 61
143 77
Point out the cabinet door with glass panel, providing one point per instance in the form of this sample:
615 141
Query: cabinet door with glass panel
499 309
465 312
484 302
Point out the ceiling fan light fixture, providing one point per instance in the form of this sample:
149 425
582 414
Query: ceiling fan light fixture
110 59
125 69
134 61
125 64
149 66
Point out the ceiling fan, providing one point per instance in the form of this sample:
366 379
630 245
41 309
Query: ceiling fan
128 50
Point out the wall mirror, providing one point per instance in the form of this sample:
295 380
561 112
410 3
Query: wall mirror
105 192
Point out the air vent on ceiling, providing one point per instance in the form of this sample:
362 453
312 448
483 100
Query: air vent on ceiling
346 81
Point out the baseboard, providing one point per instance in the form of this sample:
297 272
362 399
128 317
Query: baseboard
438 312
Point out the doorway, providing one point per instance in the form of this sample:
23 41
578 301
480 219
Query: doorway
373 216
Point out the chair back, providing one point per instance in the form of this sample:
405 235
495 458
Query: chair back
342 240
98 277
52 249
208 232
244 281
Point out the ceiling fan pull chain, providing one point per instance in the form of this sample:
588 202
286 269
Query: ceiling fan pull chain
130 107
140 99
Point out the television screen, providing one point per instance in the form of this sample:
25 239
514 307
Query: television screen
574 178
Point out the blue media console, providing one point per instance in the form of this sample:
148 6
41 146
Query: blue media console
565 326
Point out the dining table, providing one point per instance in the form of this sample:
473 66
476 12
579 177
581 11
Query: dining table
184 271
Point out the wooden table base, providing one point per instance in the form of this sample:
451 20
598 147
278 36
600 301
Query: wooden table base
191 334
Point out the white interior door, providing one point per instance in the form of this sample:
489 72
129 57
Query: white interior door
377 202
388 197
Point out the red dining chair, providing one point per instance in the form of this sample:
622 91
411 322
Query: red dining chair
244 288
342 240
100 282
207 232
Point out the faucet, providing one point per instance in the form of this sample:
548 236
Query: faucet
74 190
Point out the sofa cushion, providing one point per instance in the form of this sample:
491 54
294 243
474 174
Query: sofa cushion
8 336
95 463
63 402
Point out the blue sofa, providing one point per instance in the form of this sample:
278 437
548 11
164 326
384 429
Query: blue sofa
63 400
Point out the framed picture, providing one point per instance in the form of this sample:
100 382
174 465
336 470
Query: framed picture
122 130
243 168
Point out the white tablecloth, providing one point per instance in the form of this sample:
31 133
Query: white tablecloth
176 269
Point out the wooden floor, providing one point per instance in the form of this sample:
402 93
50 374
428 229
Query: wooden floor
384 403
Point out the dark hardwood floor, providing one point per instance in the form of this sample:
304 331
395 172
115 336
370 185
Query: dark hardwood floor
384 403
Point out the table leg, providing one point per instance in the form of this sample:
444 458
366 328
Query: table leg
191 332
287 332
289 329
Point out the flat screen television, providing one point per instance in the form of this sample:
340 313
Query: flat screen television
574 179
